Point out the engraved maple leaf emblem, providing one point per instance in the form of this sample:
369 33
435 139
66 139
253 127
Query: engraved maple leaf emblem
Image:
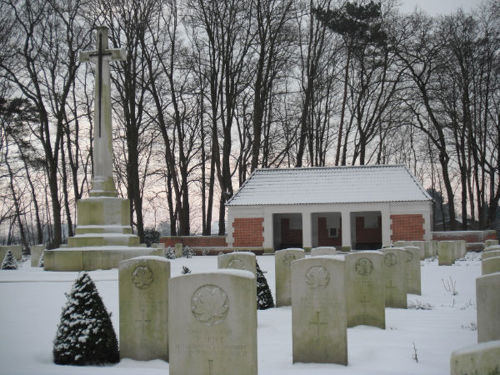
210 304
317 276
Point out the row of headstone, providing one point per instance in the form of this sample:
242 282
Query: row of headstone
201 323
329 294
450 251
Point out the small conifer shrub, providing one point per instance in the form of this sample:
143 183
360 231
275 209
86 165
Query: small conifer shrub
170 253
264 296
185 270
9 262
187 252
85 335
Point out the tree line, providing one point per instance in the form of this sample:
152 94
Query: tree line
212 90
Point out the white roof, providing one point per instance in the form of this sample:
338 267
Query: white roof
354 184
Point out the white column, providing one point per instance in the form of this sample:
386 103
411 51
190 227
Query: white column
346 228
306 229
386 227
268 230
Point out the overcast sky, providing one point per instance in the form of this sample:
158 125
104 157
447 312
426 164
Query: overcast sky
438 7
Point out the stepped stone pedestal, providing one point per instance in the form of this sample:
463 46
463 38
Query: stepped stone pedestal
103 234
103 238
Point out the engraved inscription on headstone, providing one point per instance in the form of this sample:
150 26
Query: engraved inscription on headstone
142 277
317 277
318 323
363 266
390 259
210 304
237 264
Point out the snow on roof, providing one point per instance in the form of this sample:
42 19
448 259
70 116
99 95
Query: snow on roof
354 184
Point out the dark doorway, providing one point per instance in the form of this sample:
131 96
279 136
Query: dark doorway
287 231
366 230
326 229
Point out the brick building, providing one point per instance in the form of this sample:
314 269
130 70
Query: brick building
362 207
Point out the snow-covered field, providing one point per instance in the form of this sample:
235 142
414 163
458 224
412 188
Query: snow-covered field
31 302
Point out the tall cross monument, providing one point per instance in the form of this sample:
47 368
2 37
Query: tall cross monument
103 234
102 178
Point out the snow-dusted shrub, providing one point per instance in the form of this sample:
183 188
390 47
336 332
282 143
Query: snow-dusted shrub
9 262
41 261
264 296
170 253
188 252
185 270
85 335
419 305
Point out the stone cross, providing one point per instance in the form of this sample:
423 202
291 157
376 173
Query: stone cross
318 323
102 184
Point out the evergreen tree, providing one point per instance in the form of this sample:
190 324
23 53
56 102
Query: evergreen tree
85 334
151 236
264 296
188 252
170 253
9 262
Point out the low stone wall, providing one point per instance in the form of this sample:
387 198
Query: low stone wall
195 241
474 238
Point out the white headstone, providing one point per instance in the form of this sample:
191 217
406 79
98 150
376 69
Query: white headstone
238 260
490 265
213 324
36 253
446 253
365 289
143 292
492 248
488 307
476 359
490 254
421 246
319 320
488 243
178 248
283 274
395 269
323 250
413 275
461 248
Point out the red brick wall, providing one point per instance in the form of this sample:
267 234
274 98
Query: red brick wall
248 232
470 236
367 235
290 237
323 238
407 227
195 241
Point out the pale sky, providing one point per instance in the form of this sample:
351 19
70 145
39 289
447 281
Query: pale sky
438 7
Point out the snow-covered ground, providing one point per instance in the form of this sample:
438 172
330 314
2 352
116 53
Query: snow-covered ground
32 299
